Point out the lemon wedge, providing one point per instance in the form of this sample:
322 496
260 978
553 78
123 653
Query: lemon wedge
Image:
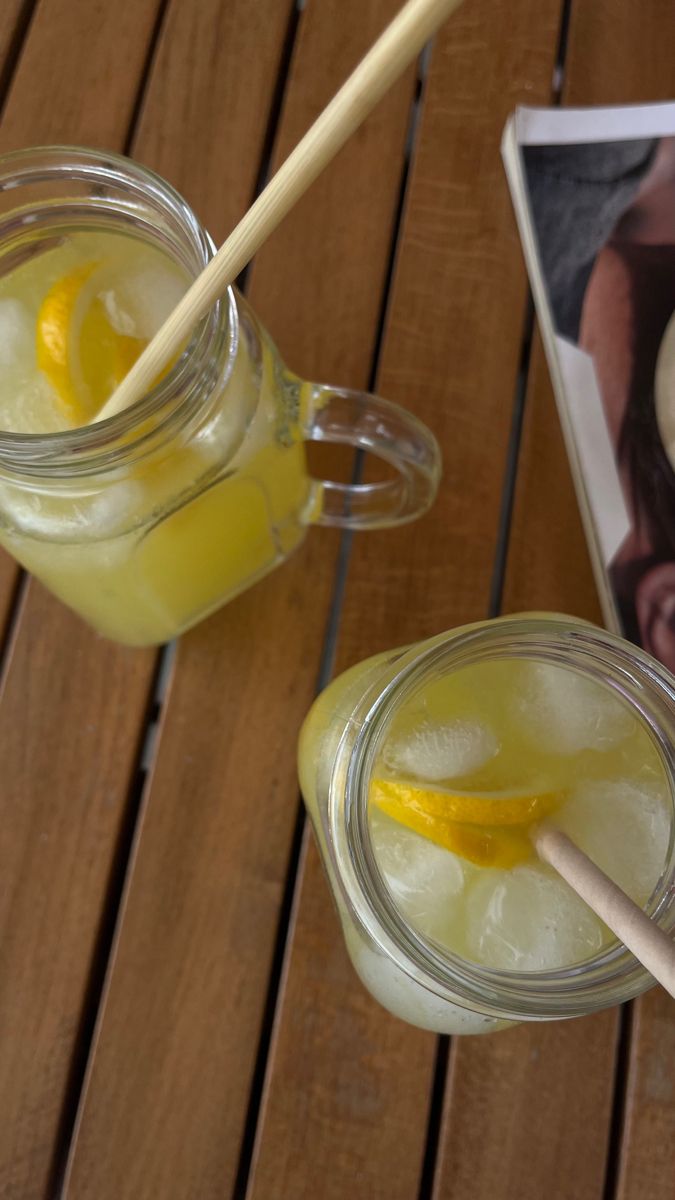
487 828
78 349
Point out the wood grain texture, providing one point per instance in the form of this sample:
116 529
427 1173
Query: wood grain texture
505 1131
318 284
69 85
68 743
72 708
647 1161
453 329
198 119
11 19
615 55
9 580
347 1096
451 354
549 568
201 912
64 786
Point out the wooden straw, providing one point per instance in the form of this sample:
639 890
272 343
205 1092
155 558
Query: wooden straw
400 43
654 948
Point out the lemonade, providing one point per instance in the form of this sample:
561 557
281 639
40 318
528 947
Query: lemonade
148 546
147 521
450 783
471 765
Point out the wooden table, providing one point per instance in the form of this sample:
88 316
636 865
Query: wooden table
179 1019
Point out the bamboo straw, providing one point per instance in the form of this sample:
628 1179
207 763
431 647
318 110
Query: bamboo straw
643 937
400 43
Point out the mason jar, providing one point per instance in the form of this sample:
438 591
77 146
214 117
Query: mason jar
413 976
145 522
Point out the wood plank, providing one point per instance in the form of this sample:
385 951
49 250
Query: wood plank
619 56
646 1161
549 568
63 795
79 73
73 706
616 55
197 120
11 19
347 1084
68 744
518 1078
203 903
9 579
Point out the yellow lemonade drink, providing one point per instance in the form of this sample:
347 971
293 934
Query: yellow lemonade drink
169 525
463 769
146 521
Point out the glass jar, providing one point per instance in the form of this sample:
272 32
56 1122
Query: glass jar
410 975
146 522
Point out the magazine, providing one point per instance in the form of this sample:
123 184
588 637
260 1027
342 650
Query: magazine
594 196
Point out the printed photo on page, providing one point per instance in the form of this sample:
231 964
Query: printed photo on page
601 218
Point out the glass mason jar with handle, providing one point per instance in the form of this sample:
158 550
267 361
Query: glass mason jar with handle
146 522
411 973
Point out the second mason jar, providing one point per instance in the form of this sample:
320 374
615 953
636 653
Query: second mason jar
413 975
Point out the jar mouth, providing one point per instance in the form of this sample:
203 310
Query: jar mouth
613 974
57 188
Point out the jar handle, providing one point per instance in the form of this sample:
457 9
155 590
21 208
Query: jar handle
367 422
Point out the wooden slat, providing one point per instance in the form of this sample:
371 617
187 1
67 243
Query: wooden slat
73 707
210 95
79 74
68 744
616 55
347 1091
165 1105
505 1132
647 1162
349 1085
548 564
11 15
9 581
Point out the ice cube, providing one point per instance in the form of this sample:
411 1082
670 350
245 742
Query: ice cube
115 508
424 879
624 828
434 751
140 302
565 713
27 402
528 919
17 348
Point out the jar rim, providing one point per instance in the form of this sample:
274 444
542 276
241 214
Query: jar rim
172 400
609 977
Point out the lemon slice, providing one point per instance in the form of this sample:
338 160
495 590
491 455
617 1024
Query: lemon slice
487 828
78 349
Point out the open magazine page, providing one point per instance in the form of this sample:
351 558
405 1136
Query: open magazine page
601 218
